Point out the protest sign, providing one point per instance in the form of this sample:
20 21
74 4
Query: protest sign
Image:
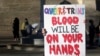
65 25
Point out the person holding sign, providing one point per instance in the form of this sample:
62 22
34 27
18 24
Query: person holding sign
66 30
91 33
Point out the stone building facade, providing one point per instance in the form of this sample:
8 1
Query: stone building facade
92 12
9 9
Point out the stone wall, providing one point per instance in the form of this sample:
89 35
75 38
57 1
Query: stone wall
91 12
9 9
53 2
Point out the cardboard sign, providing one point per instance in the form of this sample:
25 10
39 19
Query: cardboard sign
65 25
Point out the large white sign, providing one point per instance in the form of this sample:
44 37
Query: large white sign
65 25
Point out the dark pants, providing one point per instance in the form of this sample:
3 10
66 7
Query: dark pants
16 34
91 39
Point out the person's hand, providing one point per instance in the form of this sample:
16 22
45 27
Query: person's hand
44 32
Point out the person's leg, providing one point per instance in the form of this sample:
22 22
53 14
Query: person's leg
91 40
14 35
17 35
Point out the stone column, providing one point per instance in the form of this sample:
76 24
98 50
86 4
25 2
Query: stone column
42 2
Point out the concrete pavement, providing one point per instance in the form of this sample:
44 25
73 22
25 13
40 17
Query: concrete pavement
39 52
93 52
93 55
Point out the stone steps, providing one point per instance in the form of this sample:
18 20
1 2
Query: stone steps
10 44
26 47
35 50
6 41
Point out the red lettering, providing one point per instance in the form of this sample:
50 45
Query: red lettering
64 20
59 22
70 20
52 38
75 20
58 50
70 49
72 38
64 49
77 52
52 49
54 22
80 37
